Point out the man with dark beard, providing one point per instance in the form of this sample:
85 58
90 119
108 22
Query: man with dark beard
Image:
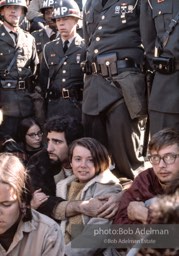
51 165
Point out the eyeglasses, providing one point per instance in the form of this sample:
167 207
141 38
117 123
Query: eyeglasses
33 134
168 158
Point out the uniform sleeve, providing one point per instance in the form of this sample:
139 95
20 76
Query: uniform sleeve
148 31
35 58
85 33
44 72
54 242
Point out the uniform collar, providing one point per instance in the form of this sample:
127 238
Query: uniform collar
70 40
9 30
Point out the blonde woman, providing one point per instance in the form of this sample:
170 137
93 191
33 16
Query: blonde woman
23 231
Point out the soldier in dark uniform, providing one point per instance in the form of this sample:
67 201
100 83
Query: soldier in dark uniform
112 36
49 32
18 61
61 75
160 30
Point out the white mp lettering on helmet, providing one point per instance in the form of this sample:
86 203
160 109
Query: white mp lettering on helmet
60 11
11 1
47 3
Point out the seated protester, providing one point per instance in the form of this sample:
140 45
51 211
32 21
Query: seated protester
165 210
164 152
23 231
91 178
30 136
8 144
51 165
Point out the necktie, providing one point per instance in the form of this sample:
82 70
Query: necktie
14 36
65 46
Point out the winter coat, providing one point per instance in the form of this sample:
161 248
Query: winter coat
104 183
39 237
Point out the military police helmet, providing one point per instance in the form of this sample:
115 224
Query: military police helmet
66 8
47 4
14 2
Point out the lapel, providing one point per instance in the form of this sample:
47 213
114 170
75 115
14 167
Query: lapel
58 50
109 4
75 45
97 5
4 36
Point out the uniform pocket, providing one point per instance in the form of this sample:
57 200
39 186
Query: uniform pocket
75 71
133 88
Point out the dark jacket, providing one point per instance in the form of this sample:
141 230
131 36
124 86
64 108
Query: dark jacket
66 77
41 38
144 187
155 19
42 173
14 101
70 73
106 31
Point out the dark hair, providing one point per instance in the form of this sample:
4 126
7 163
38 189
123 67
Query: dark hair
24 126
98 152
71 127
165 137
165 209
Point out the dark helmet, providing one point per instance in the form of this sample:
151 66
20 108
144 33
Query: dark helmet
14 2
47 4
66 8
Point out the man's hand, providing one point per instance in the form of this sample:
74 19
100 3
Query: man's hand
91 207
38 198
137 211
110 205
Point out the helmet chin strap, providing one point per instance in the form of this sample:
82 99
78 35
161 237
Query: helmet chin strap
12 25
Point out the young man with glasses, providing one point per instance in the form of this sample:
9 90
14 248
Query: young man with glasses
164 157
